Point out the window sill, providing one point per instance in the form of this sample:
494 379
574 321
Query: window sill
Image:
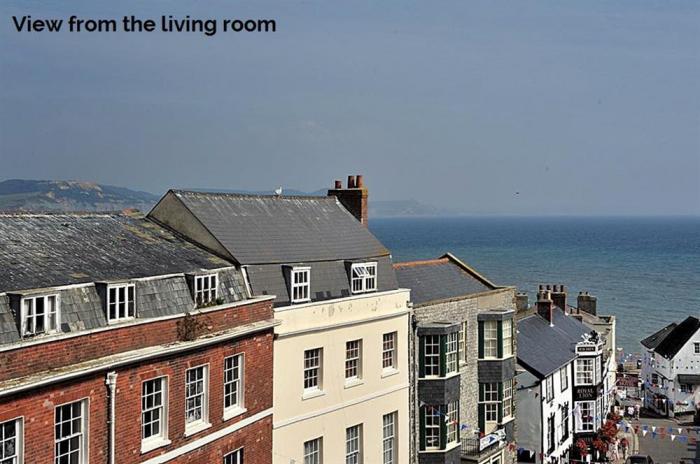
353 383
389 372
196 428
233 412
307 395
151 444
448 447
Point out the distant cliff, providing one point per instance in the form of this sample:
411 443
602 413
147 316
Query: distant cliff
58 195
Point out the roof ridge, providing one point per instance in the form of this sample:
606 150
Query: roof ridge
252 195
421 262
62 214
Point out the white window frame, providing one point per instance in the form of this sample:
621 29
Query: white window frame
549 388
389 351
300 292
17 456
564 423
234 457
353 360
696 347
46 315
452 353
564 378
353 444
314 370
363 277
206 295
490 339
586 425
154 441
236 384
431 351
195 425
585 374
82 435
389 448
452 419
507 399
463 327
313 451
433 420
507 336
128 303
491 405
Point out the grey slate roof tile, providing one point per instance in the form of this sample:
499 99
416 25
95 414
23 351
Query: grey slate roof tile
678 337
47 250
653 340
541 348
258 229
437 279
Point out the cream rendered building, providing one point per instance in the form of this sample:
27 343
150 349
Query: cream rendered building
341 376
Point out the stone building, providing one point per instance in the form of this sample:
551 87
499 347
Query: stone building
123 343
463 363
341 376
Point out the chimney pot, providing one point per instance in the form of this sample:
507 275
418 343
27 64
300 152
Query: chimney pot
358 181
352 198
338 184
351 182
545 306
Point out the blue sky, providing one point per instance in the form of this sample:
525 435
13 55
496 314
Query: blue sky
580 107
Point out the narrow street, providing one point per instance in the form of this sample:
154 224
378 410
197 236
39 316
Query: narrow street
663 450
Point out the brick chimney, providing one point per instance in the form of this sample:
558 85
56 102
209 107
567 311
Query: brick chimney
587 303
545 306
559 296
521 301
353 198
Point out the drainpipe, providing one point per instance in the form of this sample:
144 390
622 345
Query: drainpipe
111 382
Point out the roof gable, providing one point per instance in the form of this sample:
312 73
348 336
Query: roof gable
440 279
653 340
262 229
678 337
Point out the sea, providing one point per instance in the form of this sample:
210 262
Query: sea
644 271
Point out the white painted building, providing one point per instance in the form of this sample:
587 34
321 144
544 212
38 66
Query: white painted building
671 369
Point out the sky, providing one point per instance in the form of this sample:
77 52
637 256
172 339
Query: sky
484 107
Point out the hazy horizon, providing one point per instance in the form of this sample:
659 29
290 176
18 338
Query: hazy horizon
482 108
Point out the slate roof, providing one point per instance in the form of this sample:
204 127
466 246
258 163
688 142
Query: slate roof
678 337
59 250
543 349
653 340
262 229
48 250
440 279
569 326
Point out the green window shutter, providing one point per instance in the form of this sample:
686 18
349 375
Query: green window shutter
422 427
421 356
500 404
482 418
481 339
443 427
443 355
499 338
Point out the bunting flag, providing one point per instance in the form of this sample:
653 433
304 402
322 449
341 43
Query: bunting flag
644 433
653 428
653 434
673 437
680 431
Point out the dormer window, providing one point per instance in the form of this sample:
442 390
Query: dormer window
300 283
205 289
40 315
121 302
364 277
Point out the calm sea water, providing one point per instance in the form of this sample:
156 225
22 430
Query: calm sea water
645 271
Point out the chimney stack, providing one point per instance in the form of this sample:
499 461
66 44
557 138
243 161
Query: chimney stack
558 295
587 303
521 301
545 306
353 198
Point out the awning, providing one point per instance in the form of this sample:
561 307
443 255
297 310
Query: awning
689 379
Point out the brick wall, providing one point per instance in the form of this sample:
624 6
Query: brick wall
63 352
37 407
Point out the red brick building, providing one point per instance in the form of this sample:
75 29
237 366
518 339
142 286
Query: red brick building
122 343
